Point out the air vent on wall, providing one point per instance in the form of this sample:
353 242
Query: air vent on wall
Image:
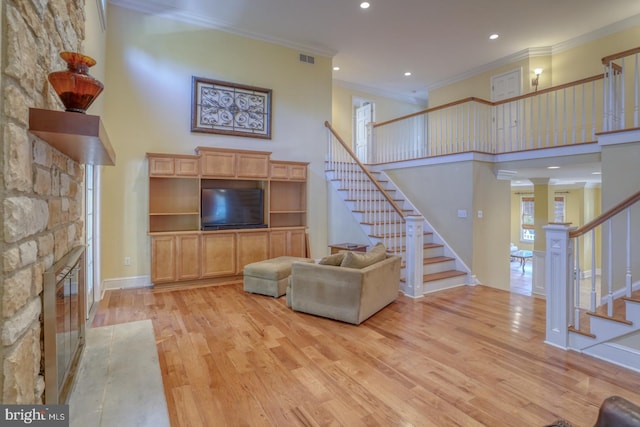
307 58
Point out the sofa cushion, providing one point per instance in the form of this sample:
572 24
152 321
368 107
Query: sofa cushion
362 260
334 259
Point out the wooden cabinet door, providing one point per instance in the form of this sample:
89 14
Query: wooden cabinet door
253 165
163 259
218 254
188 257
161 166
277 243
297 243
218 164
187 167
252 247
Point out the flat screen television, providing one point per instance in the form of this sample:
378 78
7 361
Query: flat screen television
228 208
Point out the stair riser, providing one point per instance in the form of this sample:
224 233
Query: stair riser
439 285
439 267
605 329
633 312
433 252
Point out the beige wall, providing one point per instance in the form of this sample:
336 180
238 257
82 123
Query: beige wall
471 186
424 187
150 63
563 66
490 254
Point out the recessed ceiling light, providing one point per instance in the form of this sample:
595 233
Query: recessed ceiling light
407 74
494 36
553 167
596 173
336 68
365 5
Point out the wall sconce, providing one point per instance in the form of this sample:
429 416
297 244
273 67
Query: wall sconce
535 81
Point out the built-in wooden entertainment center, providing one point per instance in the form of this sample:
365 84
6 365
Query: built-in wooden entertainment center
182 251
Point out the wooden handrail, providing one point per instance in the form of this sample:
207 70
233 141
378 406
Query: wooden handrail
607 59
431 110
605 216
551 89
492 103
364 169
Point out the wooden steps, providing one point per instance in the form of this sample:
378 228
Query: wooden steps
619 315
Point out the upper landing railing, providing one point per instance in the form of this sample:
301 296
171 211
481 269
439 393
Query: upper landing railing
567 114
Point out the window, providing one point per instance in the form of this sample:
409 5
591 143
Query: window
527 232
558 209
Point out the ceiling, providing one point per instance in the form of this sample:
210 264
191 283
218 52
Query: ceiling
438 41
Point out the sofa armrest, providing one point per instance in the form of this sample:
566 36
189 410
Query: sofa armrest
619 412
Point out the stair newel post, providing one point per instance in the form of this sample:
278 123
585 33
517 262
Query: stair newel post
558 274
414 256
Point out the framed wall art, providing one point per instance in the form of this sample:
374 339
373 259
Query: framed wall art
230 109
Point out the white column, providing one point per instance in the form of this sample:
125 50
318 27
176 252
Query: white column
414 256
557 283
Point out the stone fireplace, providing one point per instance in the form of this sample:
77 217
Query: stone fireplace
42 189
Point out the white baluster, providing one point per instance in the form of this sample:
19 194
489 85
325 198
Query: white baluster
628 273
635 93
593 270
610 272
622 122
576 284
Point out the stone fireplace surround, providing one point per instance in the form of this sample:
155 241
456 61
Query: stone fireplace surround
42 189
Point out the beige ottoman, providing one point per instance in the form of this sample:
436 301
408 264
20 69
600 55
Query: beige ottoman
270 277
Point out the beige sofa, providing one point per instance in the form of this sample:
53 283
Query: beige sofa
344 293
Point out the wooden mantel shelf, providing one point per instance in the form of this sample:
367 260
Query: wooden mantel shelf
80 136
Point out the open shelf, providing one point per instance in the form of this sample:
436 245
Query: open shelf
80 136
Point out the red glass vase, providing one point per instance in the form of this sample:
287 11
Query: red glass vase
75 87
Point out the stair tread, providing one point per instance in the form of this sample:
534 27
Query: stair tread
612 318
581 332
437 259
442 275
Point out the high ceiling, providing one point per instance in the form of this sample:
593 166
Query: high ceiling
438 41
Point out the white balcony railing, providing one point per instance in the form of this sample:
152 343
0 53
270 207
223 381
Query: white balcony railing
568 114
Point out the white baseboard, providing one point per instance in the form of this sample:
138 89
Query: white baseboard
126 283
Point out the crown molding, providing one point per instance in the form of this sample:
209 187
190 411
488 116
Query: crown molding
189 18
616 27
518 56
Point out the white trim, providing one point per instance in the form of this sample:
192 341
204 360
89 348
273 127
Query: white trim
97 288
102 13
126 283
200 20
597 34
371 90
623 137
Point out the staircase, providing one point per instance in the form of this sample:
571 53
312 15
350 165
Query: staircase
602 315
380 208
613 337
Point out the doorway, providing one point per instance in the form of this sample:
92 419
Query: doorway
507 115
363 116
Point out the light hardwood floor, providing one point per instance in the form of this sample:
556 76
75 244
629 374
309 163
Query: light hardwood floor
469 356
